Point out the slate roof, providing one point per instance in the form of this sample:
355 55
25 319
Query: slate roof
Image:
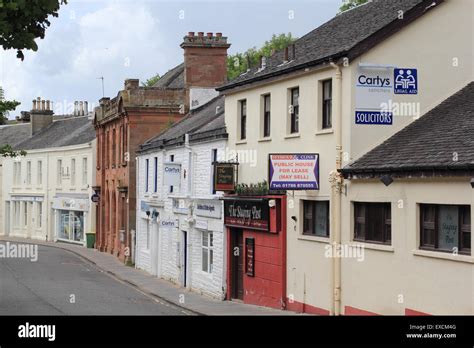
71 131
349 34
14 134
174 78
430 143
206 118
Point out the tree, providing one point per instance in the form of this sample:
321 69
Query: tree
6 106
348 4
23 21
151 81
239 63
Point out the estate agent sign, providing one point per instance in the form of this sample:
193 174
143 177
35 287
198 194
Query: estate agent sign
294 171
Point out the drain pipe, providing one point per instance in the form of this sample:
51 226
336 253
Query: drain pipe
336 190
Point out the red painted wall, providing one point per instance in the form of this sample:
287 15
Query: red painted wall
268 287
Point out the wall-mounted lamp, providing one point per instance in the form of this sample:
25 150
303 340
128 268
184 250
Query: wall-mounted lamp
472 182
294 218
147 213
386 179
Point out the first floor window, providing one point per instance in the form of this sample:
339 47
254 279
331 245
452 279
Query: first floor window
40 173
84 171
243 119
446 227
373 222
28 173
316 218
207 251
294 110
147 172
327 104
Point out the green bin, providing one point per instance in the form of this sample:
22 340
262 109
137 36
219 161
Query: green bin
90 240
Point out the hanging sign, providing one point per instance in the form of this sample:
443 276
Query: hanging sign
224 176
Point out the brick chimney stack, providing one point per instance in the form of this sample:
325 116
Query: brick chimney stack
41 115
205 60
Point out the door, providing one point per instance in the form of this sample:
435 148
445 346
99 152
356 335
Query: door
155 250
184 258
237 264
7 219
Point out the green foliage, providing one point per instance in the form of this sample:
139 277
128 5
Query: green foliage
151 81
7 151
23 21
239 63
258 189
6 106
348 4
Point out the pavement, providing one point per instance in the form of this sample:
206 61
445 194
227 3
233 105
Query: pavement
168 298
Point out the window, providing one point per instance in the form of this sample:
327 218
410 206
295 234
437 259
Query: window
266 115
114 147
28 173
147 170
59 173
39 214
107 150
84 171
446 228
316 218
124 145
372 222
171 160
120 150
207 251
243 119
25 214
155 188
213 161
294 110
327 104
73 172
40 173
17 173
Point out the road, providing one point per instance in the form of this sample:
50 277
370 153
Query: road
62 283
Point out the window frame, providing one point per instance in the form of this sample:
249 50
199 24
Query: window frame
294 111
423 245
266 127
147 170
39 175
311 232
209 250
243 119
326 102
369 212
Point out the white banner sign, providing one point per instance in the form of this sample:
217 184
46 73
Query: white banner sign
172 174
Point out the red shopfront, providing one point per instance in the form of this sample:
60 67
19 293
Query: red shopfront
256 251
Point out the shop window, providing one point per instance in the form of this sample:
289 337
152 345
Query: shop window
207 251
71 225
294 110
373 222
446 228
316 218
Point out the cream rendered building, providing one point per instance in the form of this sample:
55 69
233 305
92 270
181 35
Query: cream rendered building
372 40
46 194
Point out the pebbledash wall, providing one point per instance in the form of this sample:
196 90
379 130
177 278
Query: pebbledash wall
309 272
182 211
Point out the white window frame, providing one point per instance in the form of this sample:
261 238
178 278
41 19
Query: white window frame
73 172
40 173
209 250
84 171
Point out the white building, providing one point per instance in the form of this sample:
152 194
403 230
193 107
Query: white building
179 217
46 194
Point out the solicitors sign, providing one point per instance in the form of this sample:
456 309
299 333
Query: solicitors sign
376 87
294 171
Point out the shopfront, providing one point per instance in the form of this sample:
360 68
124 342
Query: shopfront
70 213
256 252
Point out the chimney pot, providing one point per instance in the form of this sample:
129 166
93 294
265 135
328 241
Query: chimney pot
191 34
293 52
200 33
43 105
286 54
86 108
218 34
48 105
34 104
81 109
76 108
209 35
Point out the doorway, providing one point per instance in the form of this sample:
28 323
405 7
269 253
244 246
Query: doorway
237 264
155 250
184 258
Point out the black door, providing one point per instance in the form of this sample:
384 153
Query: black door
237 264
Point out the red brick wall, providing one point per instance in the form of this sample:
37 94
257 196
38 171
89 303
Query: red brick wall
205 67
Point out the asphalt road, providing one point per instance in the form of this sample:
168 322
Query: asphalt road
48 286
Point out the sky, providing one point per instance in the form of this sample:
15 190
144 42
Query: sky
120 39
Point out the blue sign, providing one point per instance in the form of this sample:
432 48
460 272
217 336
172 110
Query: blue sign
406 81
294 171
374 117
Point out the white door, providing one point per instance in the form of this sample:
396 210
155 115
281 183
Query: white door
155 250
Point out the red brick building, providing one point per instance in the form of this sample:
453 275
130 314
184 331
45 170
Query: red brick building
137 114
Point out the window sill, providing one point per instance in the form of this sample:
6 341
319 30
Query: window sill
318 239
241 142
444 256
262 140
324 131
373 246
292 136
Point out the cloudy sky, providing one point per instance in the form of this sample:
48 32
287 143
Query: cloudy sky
120 39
